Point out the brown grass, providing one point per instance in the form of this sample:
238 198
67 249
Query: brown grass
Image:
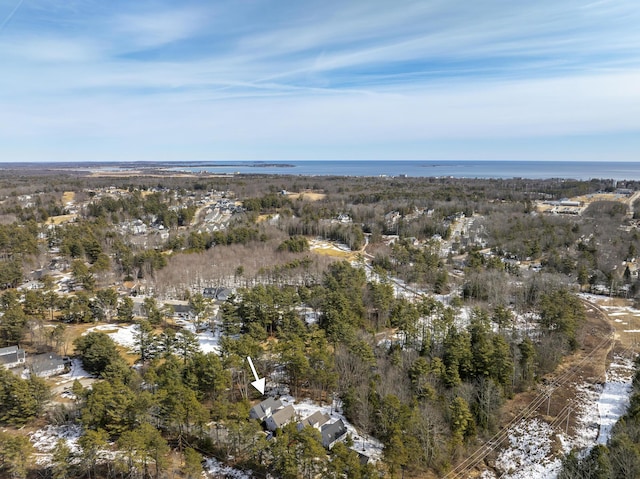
587 365
68 196
74 331
328 249
307 195
586 200
61 219
624 322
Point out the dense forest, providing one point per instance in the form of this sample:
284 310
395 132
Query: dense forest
415 331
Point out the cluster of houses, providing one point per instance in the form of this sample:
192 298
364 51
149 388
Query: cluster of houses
274 414
217 215
135 227
393 217
218 293
218 210
45 365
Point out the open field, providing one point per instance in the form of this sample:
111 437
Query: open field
307 195
61 219
68 197
263 218
626 199
586 200
74 331
625 321
328 248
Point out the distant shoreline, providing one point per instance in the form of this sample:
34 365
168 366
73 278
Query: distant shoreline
468 169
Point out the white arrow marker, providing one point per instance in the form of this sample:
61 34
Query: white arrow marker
258 383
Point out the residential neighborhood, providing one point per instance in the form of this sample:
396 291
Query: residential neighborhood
376 326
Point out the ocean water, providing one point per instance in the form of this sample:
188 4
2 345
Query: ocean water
417 168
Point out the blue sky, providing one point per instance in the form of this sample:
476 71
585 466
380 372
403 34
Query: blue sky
85 80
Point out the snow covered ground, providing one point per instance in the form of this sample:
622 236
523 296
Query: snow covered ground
122 335
76 371
614 400
125 335
209 341
44 440
217 469
529 454
400 288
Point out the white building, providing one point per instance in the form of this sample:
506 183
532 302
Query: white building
12 356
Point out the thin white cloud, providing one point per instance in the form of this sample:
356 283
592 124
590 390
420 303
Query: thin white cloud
479 31
13 11
575 105
52 49
318 73
156 29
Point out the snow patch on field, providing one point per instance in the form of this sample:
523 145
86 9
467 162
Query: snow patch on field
76 371
217 469
614 400
44 440
125 336
586 411
529 453
597 408
122 335
209 341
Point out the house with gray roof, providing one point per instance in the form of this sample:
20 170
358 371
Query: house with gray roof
280 418
12 356
219 293
183 311
264 409
46 365
332 433
317 420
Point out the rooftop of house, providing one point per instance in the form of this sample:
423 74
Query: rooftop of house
8 350
266 407
12 354
283 416
181 308
317 419
332 432
45 362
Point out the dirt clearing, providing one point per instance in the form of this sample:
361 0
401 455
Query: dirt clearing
328 248
307 195
68 197
61 219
